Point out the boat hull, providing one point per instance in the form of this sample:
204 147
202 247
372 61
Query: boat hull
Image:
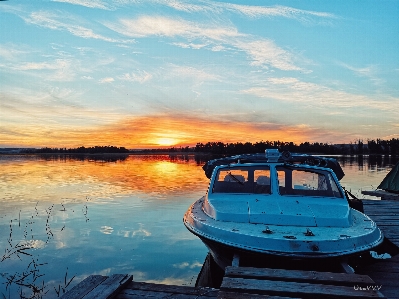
259 246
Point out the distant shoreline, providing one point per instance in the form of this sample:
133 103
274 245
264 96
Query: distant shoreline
110 154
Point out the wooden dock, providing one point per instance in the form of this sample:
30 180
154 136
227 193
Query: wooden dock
377 279
238 282
386 214
384 195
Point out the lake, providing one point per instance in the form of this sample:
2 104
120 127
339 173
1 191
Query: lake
64 217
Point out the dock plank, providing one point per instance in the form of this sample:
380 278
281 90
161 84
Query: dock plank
84 287
385 214
385 195
303 290
299 276
158 289
230 295
110 287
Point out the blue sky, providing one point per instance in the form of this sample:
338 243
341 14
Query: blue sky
159 73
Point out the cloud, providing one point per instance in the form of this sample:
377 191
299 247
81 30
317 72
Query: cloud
253 11
191 72
266 52
12 52
213 7
185 265
64 22
146 26
288 89
143 131
190 45
139 76
369 72
87 3
61 69
275 11
106 80
262 52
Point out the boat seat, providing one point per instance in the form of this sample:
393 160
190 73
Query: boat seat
262 185
304 192
263 180
229 178
233 187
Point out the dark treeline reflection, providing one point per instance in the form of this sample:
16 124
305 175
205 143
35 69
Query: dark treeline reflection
199 159
90 158
369 161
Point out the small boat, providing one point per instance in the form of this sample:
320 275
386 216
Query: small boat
263 206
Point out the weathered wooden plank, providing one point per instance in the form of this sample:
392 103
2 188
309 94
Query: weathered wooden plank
298 276
381 268
385 217
84 287
110 287
390 232
302 290
376 213
143 286
386 279
380 203
231 295
380 211
137 294
381 193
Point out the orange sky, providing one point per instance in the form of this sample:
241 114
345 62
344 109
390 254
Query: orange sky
163 131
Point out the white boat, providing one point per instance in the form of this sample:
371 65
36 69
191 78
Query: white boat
268 205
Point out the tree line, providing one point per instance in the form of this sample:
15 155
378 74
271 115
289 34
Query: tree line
358 147
372 147
81 150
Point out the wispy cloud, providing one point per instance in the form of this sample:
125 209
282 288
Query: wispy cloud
88 3
251 11
146 26
190 45
293 90
138 76
214 7
216 37
188 72
107 80
276 11
369 72
267 53
12 52
57 70
64 22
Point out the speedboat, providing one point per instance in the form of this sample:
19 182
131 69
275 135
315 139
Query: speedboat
264 206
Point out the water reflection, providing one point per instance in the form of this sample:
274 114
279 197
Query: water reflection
63 178
118 216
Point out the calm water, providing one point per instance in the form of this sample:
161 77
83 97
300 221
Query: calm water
83 217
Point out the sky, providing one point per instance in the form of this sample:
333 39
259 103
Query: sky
155 73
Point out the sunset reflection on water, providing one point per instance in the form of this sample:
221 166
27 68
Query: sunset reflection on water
57 179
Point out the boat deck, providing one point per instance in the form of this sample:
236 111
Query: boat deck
376 280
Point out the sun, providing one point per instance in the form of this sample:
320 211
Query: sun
166 141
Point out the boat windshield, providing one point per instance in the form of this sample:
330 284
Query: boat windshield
243 180
306 182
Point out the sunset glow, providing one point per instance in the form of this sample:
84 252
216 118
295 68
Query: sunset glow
147 74
166 141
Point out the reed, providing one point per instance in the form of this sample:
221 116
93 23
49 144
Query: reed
31 282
